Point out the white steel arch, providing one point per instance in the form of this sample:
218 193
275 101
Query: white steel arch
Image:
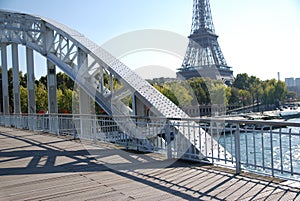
66 47
86 63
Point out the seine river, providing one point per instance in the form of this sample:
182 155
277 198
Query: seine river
256 149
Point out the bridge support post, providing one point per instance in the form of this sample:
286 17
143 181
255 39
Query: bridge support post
85 118
16 84
168 139
5 94
31 89
84 100
52 97
138 107
237 150
111 83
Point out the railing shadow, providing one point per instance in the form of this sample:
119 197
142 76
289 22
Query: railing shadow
186 180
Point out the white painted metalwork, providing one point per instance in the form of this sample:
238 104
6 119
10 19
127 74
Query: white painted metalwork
5 98
16 79
87 64
62 46
256 145
30 81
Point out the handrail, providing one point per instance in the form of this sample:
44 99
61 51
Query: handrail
252 145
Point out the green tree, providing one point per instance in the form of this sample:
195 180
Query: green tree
291 95
280 91
200 90
241 81
64 81
181 91
245 97
273 92
227 95
65 99
60 100
42 80
166 92
24 99
41 97
255 89
234 96
218 94
23 79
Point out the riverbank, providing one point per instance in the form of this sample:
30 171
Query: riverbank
285 114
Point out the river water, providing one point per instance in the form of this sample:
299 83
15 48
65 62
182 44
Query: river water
257 149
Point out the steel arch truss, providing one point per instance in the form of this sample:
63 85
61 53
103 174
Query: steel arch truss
95 70
85 62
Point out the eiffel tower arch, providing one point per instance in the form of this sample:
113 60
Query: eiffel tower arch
204 57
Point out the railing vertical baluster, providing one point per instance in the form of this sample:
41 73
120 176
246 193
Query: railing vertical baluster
262 149
205 142
189 140
237 150
57 124
219 133
272 152
95 129
275 161
246 144
178 140
195 142
200 136
212 145
168 140
254 147
127 140
231 141
280 149
291 153
224 140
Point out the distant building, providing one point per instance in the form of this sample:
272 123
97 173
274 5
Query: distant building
297 82
161 80
293 85
290 82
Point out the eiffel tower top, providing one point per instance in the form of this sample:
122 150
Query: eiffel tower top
202 19
203 56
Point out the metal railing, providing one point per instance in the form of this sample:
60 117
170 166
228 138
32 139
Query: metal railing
266 147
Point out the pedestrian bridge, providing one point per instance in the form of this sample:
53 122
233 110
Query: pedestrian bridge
88 65
152 123
39 166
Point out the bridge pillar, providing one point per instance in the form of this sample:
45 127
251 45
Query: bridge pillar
111 83
138 107
84 101
16 83
5 94
101 80
31 89
85 117
52 97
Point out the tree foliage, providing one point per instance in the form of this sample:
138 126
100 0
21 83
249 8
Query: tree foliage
254 90
245 90
41 98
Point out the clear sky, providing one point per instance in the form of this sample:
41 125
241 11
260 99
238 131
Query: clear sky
258 37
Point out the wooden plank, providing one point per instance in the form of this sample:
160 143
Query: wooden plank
73 174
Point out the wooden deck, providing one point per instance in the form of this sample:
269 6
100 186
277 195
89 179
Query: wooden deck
36 166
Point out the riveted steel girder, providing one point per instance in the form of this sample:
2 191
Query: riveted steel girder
87 63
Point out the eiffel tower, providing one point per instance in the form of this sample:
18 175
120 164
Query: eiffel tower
204 57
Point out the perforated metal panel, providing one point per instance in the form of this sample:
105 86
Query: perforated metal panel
66 48
163 105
